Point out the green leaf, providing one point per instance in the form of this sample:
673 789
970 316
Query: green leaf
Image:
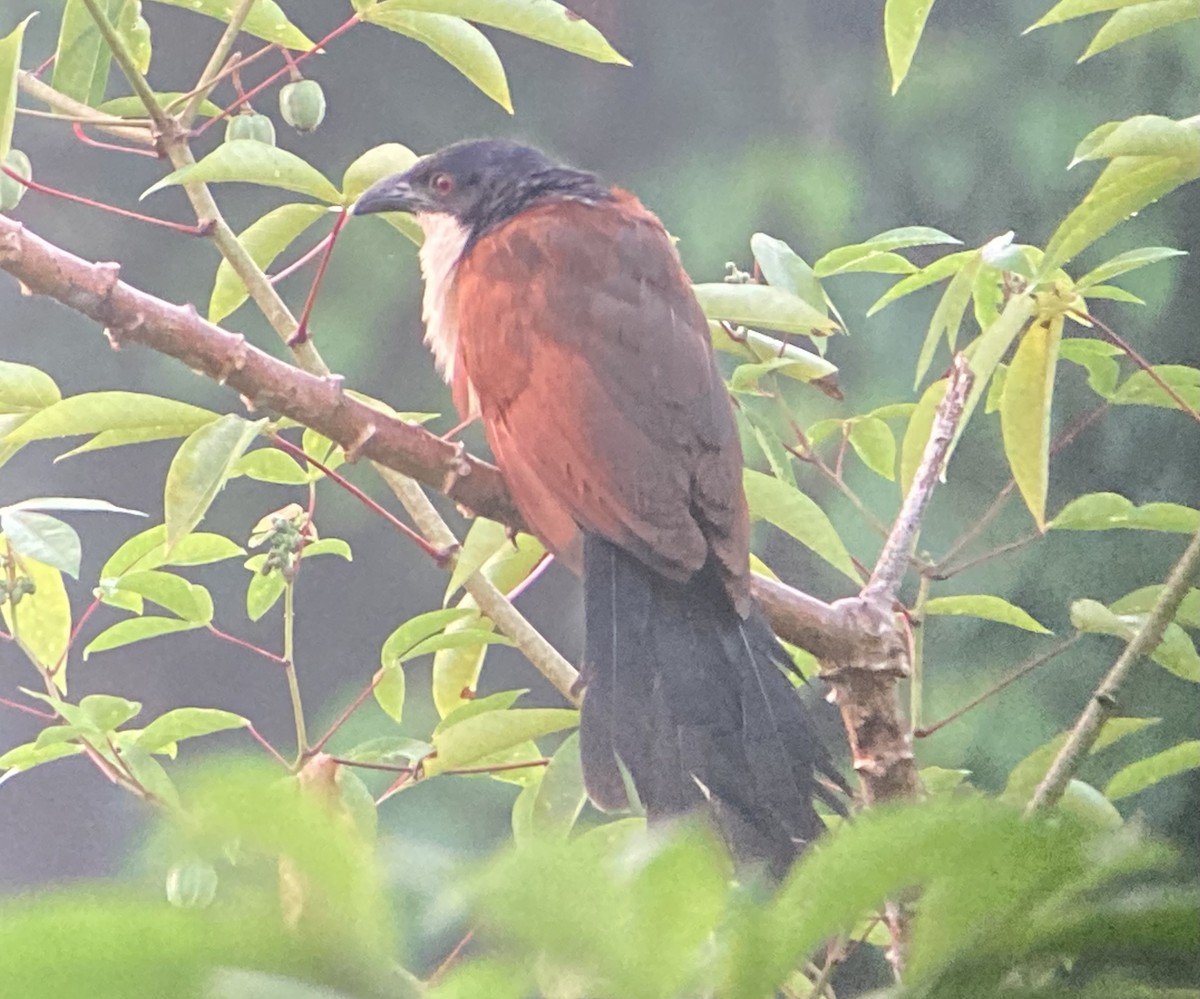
262 593
199 470
266 20
82 59
328 546
77 504
1140 389
988 607
1111 293
916 435
1123 263
1025 413
775 357
1142 600
186 600
400 643
784 268
1097 357
473 738
462 45
264 240
874 442
1142 135
903 23
30 755
1067 10
251 162
148 550
132 107
1085 802
1108 511
995 394
541 20
134 31
457 639
269 464
24 388
1140 19
44 538
948 316
762 305
389 690
1127 185
939 780
848 258
136 629
10 66
42 625
106 713
1149 771
939 270
1175 652
787 508
93 412
559 796
186 723
376 163
390 749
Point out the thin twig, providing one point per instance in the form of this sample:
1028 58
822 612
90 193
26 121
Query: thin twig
980 559
1104 702
450 958
350 709
18 706
242 643
1146 366
262 741
212 69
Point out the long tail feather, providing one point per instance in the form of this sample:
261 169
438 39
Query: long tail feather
689 699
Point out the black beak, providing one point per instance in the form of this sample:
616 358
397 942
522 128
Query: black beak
392 194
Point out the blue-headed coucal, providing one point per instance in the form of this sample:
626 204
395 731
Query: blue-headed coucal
559 312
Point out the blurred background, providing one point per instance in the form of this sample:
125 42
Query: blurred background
735 117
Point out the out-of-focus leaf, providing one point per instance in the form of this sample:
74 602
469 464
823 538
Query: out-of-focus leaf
132 106
559 796
94 412
136 629
916 436
846 258
1123 263
1175 653
186 723
44 538
874 442
251 162
1125 186
795 514
1149 771
10 65
82 59
988 607
903 23
372 166
1085 802
484 539
199 471
541 20
1140 19
134 31
1139 389
264 240
1096 357
473 738
186 600
390 749
462 45
1106 511
762 305
1140 601
1111 293
1068 10
106 712
1142 135
948 316
266 20
786 269
1025 413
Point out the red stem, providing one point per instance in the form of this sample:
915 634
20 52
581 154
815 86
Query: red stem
1146 366
203 229
246 645
87 140
345 715
17 706
291 268
301 334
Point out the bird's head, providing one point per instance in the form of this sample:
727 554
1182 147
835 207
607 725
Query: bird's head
479 183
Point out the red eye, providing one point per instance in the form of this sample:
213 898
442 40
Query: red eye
443 183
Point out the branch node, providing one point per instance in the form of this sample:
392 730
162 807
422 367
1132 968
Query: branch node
354 448
206 227
10 243
457 467
235 360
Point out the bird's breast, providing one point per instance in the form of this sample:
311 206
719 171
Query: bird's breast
445 239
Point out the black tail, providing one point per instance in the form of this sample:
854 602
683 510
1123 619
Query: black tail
691 699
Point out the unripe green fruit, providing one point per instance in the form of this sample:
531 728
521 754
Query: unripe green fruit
257 127
302 104
12 191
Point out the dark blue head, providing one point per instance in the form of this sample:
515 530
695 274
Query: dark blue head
479 183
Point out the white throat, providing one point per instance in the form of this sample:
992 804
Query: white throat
445 238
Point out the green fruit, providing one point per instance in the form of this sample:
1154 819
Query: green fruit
302 104
256 127
12 191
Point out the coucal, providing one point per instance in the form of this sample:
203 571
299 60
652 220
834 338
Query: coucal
558 311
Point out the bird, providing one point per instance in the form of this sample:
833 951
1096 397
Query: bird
558 311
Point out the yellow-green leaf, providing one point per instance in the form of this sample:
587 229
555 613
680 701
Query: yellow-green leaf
874 442
948 316
269 464
462 45
541 20
762 305
1025 413
389 690
479 736
795 514
187 600
1141 135
45 538
1068 10
939 270
148 550
903 24
82 59
775 357
251 162
376 163
264 240
10 65
848 258
1149 771
95 412
987 607
41 622
1106 511
916 434
136 629
199 470
266 20
1141 19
